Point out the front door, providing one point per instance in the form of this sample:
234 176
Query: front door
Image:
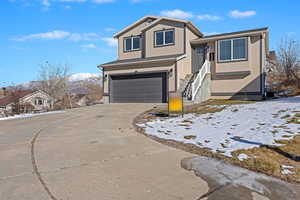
199 56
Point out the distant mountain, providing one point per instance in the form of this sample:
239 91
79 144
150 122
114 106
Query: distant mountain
77 83
83 77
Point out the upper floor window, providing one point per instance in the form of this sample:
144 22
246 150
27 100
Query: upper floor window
132 43
233 49
165 37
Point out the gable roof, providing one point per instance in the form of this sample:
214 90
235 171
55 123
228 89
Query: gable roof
188 23
19 95
229 35
14 97
134 25
156 21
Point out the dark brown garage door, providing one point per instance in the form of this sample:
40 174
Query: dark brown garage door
138 88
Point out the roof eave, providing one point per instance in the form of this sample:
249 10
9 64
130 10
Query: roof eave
133 25
139 62
189 23
229 35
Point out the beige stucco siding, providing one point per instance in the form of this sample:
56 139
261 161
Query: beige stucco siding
132 32
140 69
178 48
184 66
247 83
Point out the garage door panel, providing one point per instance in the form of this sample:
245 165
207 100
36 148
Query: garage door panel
148 88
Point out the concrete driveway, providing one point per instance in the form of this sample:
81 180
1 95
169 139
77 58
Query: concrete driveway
90 153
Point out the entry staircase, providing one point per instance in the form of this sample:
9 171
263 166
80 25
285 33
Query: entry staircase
193 82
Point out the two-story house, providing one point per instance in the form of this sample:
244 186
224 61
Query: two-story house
158 55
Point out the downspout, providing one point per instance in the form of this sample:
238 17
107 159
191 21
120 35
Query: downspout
184 39
261 75
103 83
176 76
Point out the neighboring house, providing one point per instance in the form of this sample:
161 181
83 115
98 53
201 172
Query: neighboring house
2 92
26 101
158 55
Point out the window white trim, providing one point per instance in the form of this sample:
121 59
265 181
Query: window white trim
231 49
164 38
131 39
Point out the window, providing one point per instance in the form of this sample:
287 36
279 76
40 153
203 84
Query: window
165 37
38 101
135 43
169 37
132 43
233 49
159 38
239 49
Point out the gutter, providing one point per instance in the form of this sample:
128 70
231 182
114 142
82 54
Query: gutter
225 36
143 62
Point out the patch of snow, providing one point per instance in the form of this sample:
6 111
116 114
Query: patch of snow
236 127
287 167
216 106
243 156
286 171
29 115
82 76
218 173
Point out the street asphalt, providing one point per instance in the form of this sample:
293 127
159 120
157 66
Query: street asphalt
95 153
90 153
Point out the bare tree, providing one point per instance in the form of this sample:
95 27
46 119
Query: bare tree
54 79
14 92
93 88
288 59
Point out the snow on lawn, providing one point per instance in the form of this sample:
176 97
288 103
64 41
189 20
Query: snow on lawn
286 169
236 127
28 115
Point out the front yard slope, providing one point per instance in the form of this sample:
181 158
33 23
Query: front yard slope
260 136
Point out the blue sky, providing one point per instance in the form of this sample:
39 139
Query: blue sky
79 32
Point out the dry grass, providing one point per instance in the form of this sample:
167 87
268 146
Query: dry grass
201 108
269 161
190 137
295 119
261 159
217 102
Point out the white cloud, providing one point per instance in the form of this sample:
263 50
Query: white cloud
17 48
102 1
88 46
76 37
46 3
208 17
59 35
68 36
138 1
82 1
67 7
52 35
177 14
242 14
110 41
79 1
109 29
